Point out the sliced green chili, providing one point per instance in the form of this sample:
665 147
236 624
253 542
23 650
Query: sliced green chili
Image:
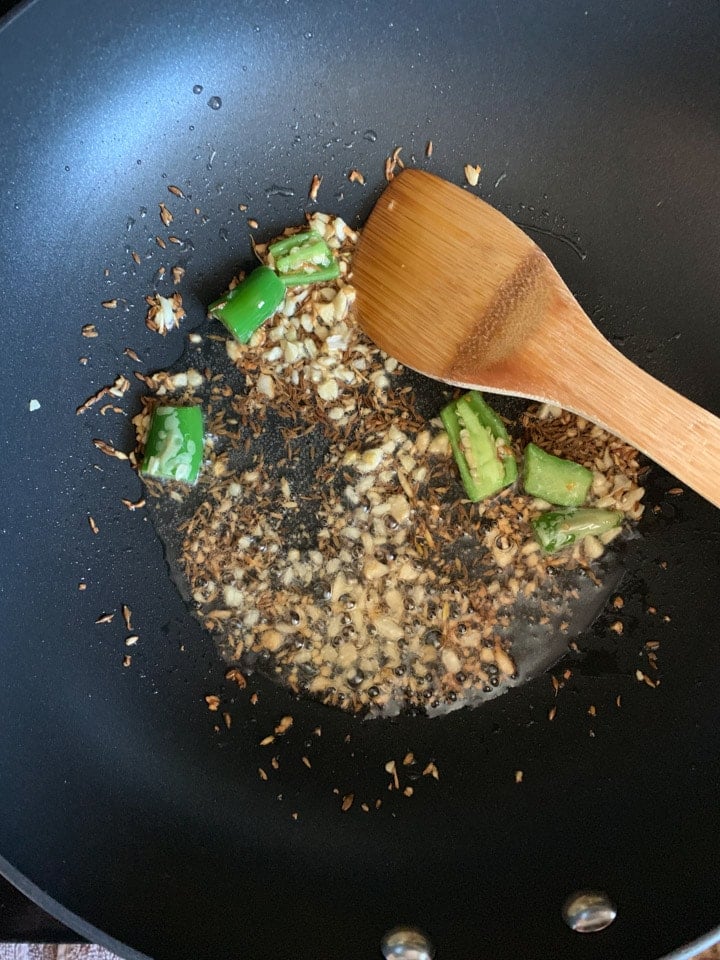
249 305
320 275
559 528
303 258
293 248
551 478
174 447
480 445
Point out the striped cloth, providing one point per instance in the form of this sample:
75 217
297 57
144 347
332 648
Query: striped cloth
49 951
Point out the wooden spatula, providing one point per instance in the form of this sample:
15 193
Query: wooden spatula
452 288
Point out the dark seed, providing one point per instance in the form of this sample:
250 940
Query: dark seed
433 637
321 590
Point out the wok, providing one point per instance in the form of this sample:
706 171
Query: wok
123 811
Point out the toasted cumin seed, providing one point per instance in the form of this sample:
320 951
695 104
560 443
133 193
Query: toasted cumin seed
165 215
314 187
133 505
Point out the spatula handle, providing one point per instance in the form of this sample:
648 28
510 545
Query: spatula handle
681 436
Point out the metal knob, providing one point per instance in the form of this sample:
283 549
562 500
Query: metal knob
588 911
406 943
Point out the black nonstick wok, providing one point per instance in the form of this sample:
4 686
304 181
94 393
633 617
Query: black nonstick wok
127 808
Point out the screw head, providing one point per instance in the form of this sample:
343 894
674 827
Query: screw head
588 911
406 943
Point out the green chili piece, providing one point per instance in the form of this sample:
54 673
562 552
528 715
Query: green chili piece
490 419
249 305
551 478
559 528
320 275
174 447
303 258
480 444
295 241
316 253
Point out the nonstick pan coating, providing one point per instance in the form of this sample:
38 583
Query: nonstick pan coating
122 809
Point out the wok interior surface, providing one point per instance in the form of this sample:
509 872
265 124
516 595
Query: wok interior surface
122 809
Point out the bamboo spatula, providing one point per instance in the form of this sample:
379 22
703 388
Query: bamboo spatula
450 287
